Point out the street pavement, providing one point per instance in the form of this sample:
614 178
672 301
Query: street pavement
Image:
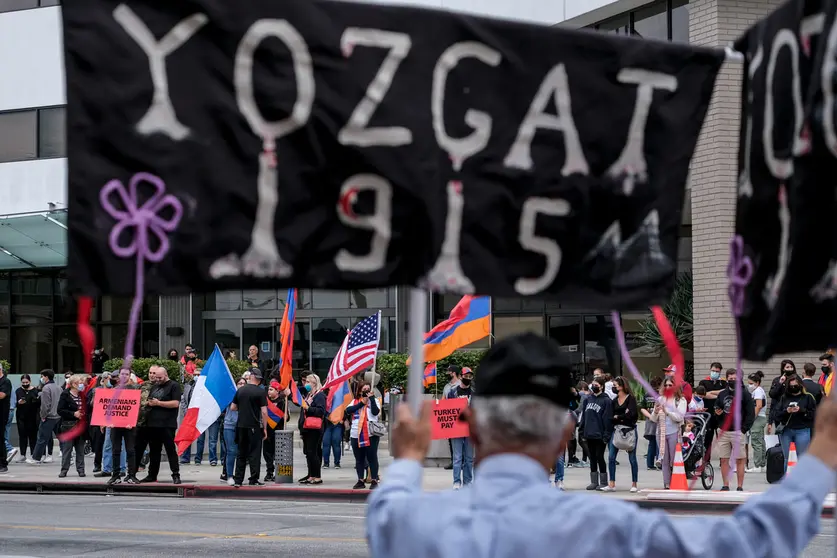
50 525
435 478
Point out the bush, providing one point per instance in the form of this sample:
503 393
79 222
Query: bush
7 366
393 368
140 367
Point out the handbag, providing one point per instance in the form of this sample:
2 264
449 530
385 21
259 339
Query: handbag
313 423
624 438
377 428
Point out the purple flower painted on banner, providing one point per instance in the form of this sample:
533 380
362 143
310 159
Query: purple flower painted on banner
145 219
739 272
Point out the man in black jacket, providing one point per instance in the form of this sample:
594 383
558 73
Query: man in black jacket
810 384
731 441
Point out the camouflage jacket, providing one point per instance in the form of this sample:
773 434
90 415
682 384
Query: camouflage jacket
146 389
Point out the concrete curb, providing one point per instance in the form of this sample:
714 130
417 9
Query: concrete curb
696 502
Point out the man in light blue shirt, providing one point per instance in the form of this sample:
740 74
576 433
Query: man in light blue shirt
519 425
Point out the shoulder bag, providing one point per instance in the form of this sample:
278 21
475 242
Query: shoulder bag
624 438
377 428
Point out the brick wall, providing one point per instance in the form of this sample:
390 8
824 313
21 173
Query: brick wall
713 187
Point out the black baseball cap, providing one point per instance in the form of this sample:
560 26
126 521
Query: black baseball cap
255 372
526 364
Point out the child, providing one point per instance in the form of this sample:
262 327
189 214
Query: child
688 435
696 405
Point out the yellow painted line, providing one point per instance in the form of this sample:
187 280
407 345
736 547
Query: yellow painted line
257 536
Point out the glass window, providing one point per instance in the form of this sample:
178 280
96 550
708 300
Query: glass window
150 345
680 21
4 299
33 349
303 298
260 334
330 299
566 330
652 22
599 344
646 358
52 132
618 25
506 326
327 337
392 342
368 298
112 338
18 137
46 3
11 5
5 347
115 309
68 349
260 300
226 333
31 298
66 305
506 304
224 300
684 254
301 358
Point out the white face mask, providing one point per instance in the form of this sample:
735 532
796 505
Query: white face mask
751 388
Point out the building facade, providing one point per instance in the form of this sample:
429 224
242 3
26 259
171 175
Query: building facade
37 316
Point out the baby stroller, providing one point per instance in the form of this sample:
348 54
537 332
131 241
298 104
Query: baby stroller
693 459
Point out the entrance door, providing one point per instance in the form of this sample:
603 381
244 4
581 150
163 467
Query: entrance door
261 334
600 346
566 330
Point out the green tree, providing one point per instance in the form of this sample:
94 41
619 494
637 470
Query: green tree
678 310
393 368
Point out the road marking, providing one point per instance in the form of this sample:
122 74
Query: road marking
192 534
228 512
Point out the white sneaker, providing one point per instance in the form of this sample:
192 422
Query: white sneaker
11 454
231 481
607 489
31 461
60 454
560 485
22 459
754 470
634 490
456 486
47 459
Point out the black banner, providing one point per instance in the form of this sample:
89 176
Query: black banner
340 145
787 265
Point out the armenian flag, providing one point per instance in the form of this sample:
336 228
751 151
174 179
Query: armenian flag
430 374
363 439
339 397
469 321
274 414
286 332
296 396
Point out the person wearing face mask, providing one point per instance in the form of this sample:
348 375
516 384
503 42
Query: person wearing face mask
713 385
463 451
71 407
311 427
28 405
173 355
625 416
827 377
777 390
668 414
597 427
795 416
757 431
363 410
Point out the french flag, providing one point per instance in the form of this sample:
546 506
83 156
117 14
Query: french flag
213 392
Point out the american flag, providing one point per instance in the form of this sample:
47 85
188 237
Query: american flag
358 351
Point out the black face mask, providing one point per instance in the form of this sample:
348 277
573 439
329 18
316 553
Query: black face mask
794 390
595 389
731 384
615 390
825 368
465 382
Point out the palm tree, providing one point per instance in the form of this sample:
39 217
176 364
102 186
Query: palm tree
678 310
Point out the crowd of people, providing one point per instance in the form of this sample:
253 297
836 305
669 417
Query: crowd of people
606 411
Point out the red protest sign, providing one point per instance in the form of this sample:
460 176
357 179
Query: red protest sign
121 413
445 419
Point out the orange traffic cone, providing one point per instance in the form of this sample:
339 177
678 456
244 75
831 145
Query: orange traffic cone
791 458
678 473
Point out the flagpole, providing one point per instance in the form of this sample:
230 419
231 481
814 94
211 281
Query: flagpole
418 317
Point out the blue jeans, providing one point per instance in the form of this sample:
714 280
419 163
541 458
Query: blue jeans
653 452
559 468
463 461
800 436
232 450
332 442
107 456
9 446
611 465
212 432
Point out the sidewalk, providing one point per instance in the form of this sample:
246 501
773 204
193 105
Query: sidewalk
435 478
